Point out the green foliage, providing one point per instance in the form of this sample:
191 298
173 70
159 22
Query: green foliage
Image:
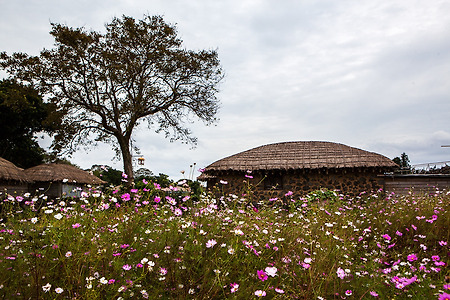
108 174
23 115
95 248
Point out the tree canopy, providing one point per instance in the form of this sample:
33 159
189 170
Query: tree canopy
105 84
23 115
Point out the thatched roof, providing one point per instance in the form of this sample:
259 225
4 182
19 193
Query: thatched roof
62 173
9 171
300 155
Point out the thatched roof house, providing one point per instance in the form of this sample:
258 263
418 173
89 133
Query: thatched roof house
12 178
57 180
301 167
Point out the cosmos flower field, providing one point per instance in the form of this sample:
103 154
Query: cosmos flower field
150 243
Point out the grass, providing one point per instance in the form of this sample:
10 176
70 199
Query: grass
154 244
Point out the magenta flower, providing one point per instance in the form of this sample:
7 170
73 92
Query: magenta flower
373 294
126 267
411 257
76 225
348 292
157 199
386 236
262 275
444 296
125 197
435 257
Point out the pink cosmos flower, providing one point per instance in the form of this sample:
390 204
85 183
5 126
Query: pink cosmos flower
157 199
262 275
373 294
435 257
348 292
126 267
234 287
386 236
125 197
444 296
260 293
443 243
76 225
210 243
411 257
340 273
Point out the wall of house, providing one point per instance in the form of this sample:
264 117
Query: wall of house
12 188
417 183
301 182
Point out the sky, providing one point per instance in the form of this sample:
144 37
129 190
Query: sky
368 74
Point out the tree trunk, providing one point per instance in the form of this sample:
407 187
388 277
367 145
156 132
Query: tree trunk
124 144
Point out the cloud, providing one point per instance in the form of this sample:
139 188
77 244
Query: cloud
369 74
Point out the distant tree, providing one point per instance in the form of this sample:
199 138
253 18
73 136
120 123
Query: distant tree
403 161
108 174
23 115
143 173
107 84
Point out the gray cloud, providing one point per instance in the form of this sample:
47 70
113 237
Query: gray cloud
373 75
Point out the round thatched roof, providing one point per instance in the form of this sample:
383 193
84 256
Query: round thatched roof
9 171
300 155
61 172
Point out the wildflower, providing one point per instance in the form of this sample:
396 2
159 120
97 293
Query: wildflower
348 292
444 296
163 271
47 287
238 232
411 257
340 273
223 182
231 251
126 267
157 199
125 197
68 254
386 236
234 287
435 257
103 280
58 216
398 233
111 281
76 225
443 243
211 243
59 290
34 220
373 293
260 293
279 291
271 271
262 275
178 212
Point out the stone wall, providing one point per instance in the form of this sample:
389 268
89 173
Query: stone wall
300 182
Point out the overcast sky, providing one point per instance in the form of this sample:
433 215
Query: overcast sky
369 74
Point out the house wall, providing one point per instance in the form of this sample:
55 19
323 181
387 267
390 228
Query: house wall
12 187
300 182
416 183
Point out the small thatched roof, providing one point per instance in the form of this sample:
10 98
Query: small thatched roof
300 155
9 171
61 173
